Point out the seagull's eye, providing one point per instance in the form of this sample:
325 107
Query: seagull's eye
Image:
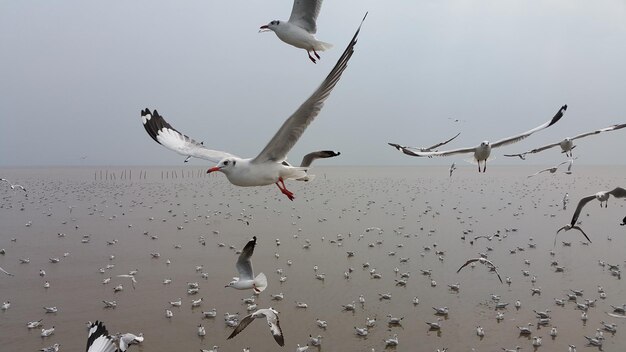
234 162
226 163
277 22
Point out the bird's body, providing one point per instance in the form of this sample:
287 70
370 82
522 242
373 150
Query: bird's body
270 165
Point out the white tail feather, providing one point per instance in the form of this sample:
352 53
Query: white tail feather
260 282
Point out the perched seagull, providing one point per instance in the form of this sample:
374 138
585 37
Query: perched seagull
552 169
481 260
53 348
99 340
267 167
34 324
568 143
300 30
272 320
413 150
452 168
6 272
602 196
246 279
482 152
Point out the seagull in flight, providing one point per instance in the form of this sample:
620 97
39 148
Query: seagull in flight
272 320
552 169
300 30
482 151
452 168
602 197
568 143
99 340
267 167
246 279
481 260
412 151
13 187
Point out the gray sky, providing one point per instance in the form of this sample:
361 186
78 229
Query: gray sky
75 75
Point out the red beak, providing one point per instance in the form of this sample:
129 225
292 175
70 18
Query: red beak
212 169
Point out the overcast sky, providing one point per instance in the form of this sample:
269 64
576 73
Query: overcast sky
74 76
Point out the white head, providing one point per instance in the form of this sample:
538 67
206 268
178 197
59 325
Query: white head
270 26
226 165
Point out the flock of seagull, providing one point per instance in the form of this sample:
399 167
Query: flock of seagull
270 167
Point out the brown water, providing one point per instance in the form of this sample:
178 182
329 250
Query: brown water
414 206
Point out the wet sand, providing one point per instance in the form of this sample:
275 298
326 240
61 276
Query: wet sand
415 207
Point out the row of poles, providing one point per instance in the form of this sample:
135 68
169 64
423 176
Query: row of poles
100 175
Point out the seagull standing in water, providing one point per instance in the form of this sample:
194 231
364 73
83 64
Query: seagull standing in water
602 197
483 151
271 316
300 30
269 166
246 279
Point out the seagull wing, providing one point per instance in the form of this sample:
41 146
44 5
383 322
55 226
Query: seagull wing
583 232
304 14
242 325
99 340
291 130
405 150
618 192
610 128
467 263
521 136
309 158
446 152
442 143
579 207
244 265
273 322
167 136
6 272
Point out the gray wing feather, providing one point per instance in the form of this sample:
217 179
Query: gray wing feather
618 192
442 143
579 207
304 14
244 265
521 136
610 128
446 152
242 325
309 158
167 136
291 130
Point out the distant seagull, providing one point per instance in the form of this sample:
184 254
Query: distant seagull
602 196
452 168
272 320
131 277
565 200
481 260
412 150
53 348
482 152
300 29
552 169
99 340
267 167
569 167
13 187
6 272
568 143
246 279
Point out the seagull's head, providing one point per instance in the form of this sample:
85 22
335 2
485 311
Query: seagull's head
270 26
484 143
225 165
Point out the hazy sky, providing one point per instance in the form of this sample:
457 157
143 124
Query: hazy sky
74 76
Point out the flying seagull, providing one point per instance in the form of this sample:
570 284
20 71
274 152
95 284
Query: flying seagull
412 150
246 279
99 340
602 197
623 221
267 167
452 168
568 143
552 169
272 320
482 152
300 30
13 187
481 260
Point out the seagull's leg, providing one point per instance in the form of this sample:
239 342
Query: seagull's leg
478 166
310 57
316 54
485 166
284 189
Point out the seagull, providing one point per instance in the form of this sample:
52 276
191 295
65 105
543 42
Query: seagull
482 152
99 340
452 168
53 348
246 279
267 167
34 324
272 320
47 332
128 339
13 187
413 150
552 169
131 277
300 30
481 260
568 143
602 197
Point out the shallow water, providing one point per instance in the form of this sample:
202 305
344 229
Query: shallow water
414 206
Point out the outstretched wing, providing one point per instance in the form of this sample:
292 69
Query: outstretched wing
610 128
521 136
309 158
579 207
167 136
304 14
291 130
444 153
467 263
98 339
242 325
274 323
442 143
244 265
618 192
